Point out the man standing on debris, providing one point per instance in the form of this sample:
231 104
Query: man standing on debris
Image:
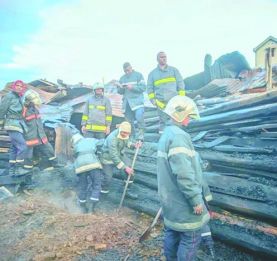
164 82
180 183
113 156
88 168
12 121
131 85
97 116
36 139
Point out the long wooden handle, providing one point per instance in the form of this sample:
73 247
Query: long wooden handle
128 179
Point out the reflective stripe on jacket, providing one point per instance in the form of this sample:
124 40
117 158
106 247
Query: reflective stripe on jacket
11 113
35 134
180 181
164 84
134 96
97 114
85 155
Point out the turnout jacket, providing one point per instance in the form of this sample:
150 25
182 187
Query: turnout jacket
11 113
134 96
113 150
97 115
35 134
163 84
180 181
85 155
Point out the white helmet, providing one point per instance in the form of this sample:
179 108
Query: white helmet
181 107
76 137
98 85
31 96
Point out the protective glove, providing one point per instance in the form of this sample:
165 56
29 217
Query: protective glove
129 170
198 209
138 144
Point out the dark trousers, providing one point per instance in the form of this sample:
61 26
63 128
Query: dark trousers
181 246
46 154
137 115
18 147
95 134
92 177
107 174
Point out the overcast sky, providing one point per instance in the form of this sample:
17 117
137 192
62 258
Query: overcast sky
89 40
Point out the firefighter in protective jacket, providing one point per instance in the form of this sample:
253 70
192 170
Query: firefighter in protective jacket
88 168
180 183
35 137
11 120
97 116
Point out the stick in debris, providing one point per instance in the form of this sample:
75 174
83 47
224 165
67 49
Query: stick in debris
147 232
129 176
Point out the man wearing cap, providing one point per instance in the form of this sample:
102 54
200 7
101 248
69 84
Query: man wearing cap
181 186
97 115
113 156
131 85
163 83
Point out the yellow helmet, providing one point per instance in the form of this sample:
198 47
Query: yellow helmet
31 96
125 126
181 107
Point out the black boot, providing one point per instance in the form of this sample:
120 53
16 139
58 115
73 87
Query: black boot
91 206
83 207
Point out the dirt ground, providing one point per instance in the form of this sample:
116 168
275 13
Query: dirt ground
40 225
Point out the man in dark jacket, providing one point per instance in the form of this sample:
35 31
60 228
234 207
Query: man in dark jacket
12 121
180 183
88 168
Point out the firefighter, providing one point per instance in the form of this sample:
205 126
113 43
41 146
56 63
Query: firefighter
181 183
97 116
164 82
113 156
131 85
36 139
11 120
88 169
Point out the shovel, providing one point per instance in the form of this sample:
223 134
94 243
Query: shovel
147 231
129 176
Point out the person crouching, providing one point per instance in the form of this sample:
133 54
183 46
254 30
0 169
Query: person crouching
88 169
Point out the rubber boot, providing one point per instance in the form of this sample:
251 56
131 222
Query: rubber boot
83 207
28 184
91 205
